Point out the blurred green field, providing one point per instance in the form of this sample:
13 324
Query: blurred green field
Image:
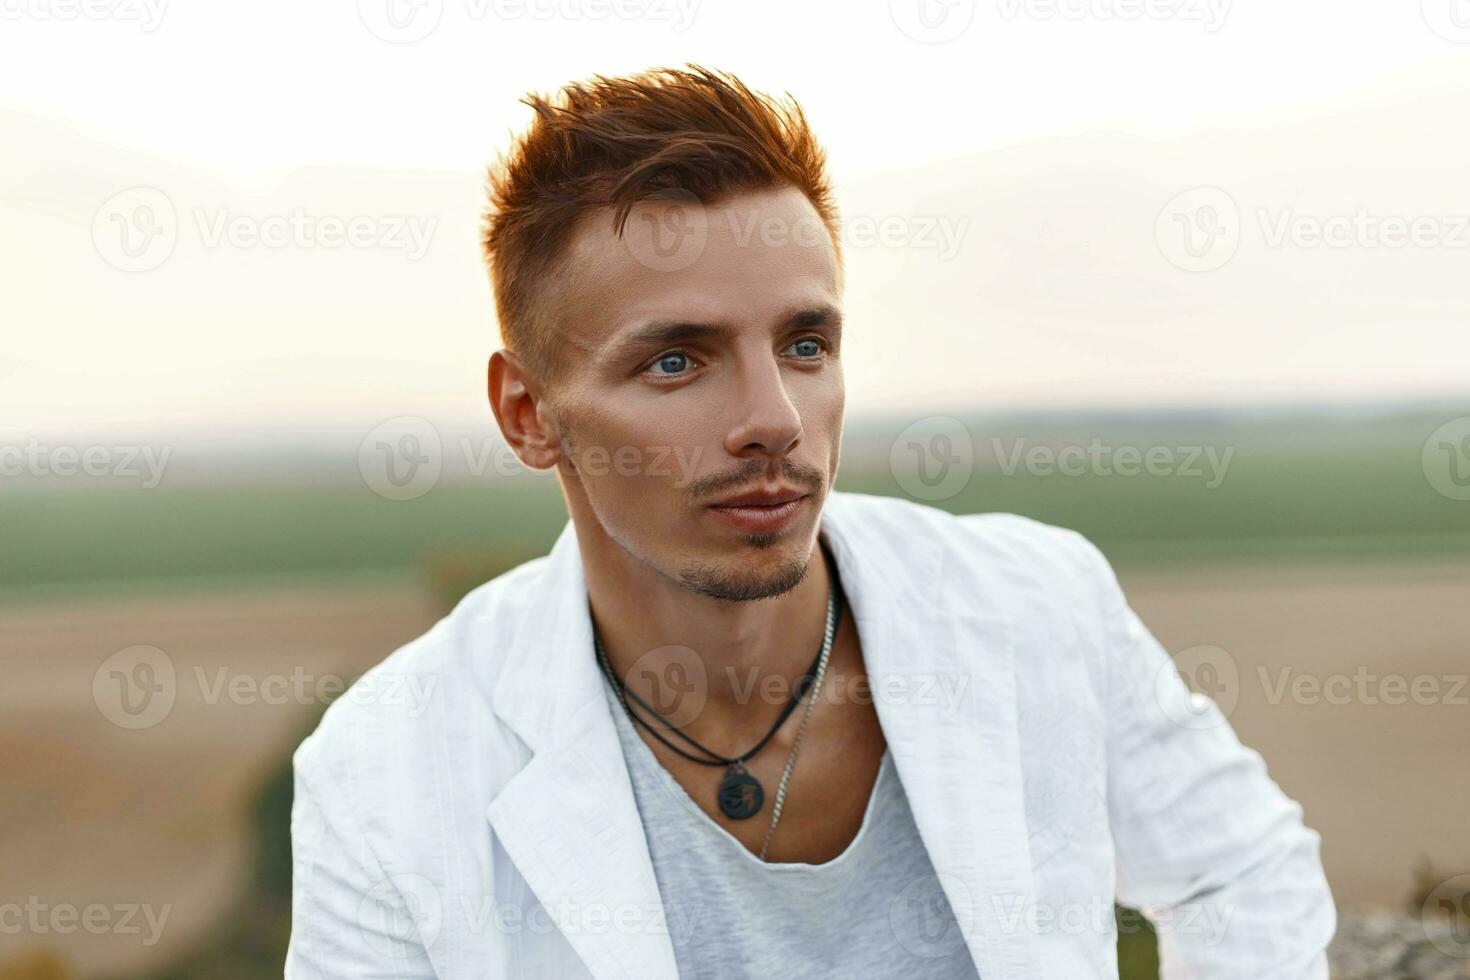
1316 487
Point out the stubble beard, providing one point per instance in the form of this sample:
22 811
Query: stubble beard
717 582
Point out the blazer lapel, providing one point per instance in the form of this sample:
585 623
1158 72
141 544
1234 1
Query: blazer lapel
569 819
949 715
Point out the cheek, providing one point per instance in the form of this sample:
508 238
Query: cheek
822 408
632 455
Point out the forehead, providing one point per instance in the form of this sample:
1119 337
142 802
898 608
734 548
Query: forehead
744 261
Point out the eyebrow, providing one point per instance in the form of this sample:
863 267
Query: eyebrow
663 333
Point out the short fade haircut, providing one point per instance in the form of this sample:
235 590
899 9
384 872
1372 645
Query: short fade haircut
611 142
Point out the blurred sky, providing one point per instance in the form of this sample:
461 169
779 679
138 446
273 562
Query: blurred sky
253 88
1052 135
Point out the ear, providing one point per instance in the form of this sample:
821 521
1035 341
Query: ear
515 398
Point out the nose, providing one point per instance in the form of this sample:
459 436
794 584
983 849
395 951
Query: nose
766 422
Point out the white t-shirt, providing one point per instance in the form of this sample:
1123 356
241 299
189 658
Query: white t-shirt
874 911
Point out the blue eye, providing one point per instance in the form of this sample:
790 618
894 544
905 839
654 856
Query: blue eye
814 349
677 358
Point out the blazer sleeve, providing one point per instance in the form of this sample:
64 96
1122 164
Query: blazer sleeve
348 918
1208 847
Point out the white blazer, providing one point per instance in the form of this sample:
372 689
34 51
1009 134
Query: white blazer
464 811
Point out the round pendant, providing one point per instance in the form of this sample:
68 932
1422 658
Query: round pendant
740 795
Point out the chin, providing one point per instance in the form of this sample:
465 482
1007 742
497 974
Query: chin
776 567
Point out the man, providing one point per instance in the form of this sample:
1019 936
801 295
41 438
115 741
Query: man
991 746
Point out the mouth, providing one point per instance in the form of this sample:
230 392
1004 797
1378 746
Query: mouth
762 512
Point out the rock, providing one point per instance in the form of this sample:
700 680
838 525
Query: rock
1394 946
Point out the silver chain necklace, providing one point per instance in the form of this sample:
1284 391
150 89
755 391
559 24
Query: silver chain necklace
796 746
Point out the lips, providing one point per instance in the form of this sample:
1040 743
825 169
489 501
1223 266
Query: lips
763 512
762 498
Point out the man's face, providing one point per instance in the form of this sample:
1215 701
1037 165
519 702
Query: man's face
699 362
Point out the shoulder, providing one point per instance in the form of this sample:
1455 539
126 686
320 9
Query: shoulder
993 547
392 732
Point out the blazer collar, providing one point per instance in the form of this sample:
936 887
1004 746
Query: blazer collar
569 819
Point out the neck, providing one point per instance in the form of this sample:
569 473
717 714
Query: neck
722 671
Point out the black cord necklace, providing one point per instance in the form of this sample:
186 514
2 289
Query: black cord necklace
740 794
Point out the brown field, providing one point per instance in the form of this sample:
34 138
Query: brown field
94 813
1387 785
